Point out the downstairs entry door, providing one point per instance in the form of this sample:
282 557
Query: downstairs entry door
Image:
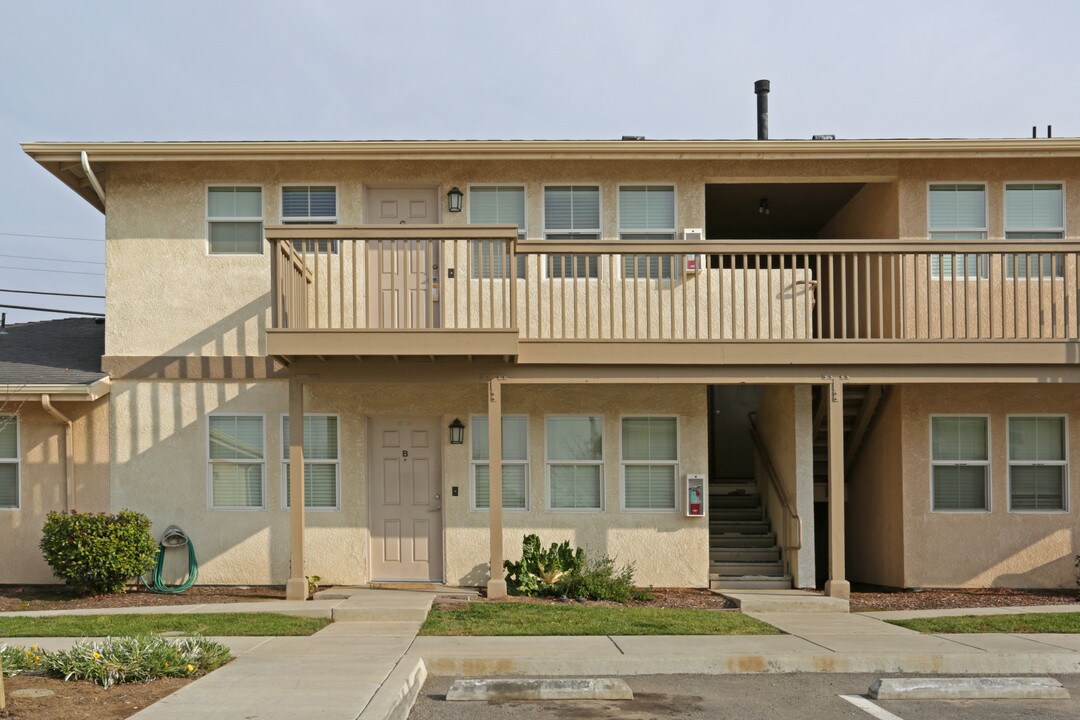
405 480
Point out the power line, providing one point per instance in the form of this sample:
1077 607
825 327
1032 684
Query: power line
52 310
32 257
36 292
65 272
52 237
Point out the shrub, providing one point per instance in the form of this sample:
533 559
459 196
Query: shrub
98 553
599 580
17 659
114 661
540 571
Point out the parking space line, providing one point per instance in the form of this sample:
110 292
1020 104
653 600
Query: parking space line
865 705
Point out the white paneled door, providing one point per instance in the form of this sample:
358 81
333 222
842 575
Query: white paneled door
406 503
403 270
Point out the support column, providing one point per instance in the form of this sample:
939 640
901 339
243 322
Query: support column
837 584
496 587
296 588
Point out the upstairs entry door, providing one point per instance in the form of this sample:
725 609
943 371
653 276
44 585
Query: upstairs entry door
404 273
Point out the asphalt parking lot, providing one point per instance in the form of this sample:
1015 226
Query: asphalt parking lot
745 697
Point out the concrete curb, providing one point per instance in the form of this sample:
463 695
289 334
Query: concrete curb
395 697
497 689
1007 688
739 663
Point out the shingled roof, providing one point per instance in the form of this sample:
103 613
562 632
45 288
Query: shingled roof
52 352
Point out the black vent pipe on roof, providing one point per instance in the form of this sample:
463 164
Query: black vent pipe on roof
761 89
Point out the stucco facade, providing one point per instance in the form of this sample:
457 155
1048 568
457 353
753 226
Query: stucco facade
162 424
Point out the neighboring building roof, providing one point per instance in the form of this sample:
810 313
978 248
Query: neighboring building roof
51 352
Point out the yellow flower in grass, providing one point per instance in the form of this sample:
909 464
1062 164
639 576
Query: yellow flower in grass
166 663
37 658
190 668
33 647
97 655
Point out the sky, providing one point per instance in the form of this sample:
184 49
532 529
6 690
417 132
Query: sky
397 69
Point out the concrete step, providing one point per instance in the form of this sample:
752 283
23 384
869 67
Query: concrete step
784 601
728 542
748 583
739 527
379 614
740 569
746 487
735 500
764 554
725 514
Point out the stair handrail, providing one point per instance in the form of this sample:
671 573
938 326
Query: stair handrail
774 481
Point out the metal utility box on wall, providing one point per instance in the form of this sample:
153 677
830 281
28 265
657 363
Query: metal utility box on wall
695 495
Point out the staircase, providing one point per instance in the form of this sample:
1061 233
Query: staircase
860 406
742 545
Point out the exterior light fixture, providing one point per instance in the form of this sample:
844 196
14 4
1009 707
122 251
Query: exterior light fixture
457 432
454 198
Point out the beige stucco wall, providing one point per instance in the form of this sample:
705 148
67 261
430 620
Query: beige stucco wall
160 467
875 510
995 548
42 486
784 422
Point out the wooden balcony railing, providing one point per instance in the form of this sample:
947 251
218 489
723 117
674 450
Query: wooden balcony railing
479 278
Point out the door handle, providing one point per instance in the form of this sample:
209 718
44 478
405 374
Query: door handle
437 508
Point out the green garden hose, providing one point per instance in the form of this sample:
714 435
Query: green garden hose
171 538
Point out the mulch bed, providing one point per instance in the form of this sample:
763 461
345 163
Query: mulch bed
692 598
871 597
57 597
77 699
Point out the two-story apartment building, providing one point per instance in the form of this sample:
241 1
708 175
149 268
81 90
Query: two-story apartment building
867 349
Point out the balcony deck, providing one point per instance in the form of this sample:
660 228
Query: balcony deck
477 291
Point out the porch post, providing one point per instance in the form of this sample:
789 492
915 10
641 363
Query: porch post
296 588
837 584
496 587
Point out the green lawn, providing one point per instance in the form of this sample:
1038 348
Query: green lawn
115 625
1026 623
517 618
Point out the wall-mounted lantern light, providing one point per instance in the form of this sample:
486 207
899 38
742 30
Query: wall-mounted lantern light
457 432
454 198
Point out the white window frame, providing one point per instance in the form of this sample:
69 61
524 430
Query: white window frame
474 463
981 260
676 464
310 219
676 271
523 232
1059 274
16 461
210 466
209 219
336 463
599 231
1063 463
548 463
987 463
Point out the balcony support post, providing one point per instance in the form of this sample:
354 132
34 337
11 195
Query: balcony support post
837 585
496 587
297 587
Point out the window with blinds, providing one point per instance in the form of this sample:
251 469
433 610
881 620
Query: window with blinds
234 220
237 468
515 465
1034 212
9 461
572 212
960 463
308 205
322 466
575 462
958 212
1038 464
496 205
647 212
650 462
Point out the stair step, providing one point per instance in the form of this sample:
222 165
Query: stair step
742 569
751 554
745 488
725 514
750 583
728 542
739 527
735 500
